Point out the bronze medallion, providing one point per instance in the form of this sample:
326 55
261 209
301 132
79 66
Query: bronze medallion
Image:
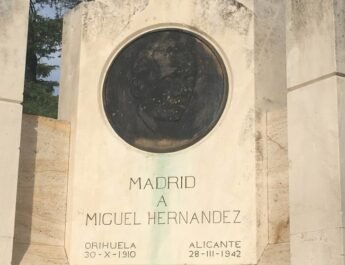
165 90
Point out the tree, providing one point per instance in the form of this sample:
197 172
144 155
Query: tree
44 42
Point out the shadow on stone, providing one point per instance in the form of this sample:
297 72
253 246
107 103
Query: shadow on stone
42 192
25 192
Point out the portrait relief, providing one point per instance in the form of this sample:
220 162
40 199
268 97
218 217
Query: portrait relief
165 90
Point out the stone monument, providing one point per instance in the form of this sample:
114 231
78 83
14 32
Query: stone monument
165 104
177 149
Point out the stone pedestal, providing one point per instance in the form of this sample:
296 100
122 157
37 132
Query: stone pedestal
315 44
13 35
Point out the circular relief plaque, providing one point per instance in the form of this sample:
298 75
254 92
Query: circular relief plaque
165 90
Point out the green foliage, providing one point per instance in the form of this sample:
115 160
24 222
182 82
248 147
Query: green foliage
44 42
44 35
44 70
39 99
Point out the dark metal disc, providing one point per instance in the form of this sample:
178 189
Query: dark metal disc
165 90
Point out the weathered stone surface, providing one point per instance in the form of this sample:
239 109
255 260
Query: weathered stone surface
316 194
310 30
339 21
68 97
315 54
36 254
261 181
272 165
278 179
315 191
270 54
13 34
10 117
42 189
318 247
9 143
276 254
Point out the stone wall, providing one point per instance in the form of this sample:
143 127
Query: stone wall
315 70
278 250
42 189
